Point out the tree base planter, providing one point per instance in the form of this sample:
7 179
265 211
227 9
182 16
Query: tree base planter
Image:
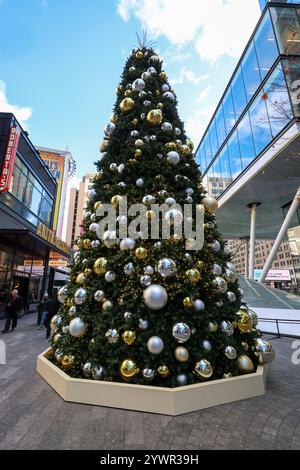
168 401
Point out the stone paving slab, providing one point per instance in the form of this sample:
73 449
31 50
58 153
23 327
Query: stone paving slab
33 416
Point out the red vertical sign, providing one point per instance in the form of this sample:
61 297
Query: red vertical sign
9 158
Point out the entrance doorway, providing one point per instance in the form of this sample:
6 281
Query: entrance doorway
22 285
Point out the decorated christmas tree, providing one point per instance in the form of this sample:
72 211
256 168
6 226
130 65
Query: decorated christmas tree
152 309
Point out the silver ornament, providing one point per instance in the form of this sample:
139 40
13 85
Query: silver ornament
231 266
220 284
146 103
91 193
169 96
160 155
253 317
219 303
217 270
265 349
139 143
93 227
199 305
138 84
166 267
165 87
212 327
157 245
55 322
121 168
152 71
134 133
142 95
85 262
109 128
109 238
155 297
122 184
241 292
99 295
127 244
149 270
206 345
132 69
170 201
182 332
189 199
177 131
65 329
148 374
80 296
127 315
97 372
110 276
189 191
231 296
140 182
107 304
174 216
143 324
167 127
230 276
87 215
173 158
155 345
112 335
59 356
87 369
154 59
77 327
188 256
72 311
145 280
204 369
95 244
146 76
76 260
62 294
146 138
148 199
152 138
216 246
113 167
122 219
230 352
227 328
93 218
142 116
182 380
210 225
128 269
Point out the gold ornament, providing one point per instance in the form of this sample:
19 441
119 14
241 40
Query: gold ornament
106 186
80 279
88 272
69 302
181 354
119 90
187 302
56 337
171 146
141 253
200 264
103 146
135 121
129 337
97 205
114 118
190 144
245 345
100 266
160 105
99 175
150 215
227 375
138 153
67 362
132 161
107 304
126 104
128 369
139 55
115 200
185 149
193 275
87 244
79 243
244 323
154 116
245 364
163 76
212 327
128 93
210 204
163 371
175 239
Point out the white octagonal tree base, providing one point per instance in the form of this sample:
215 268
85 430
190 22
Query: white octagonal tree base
168 401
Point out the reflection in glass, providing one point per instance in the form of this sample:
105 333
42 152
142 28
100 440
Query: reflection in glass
234 155
225 167
18 184
246 141
251 72
265 44
238 93
207 147
32 198
228 109
260 123
45 211
292 74
220 125
213 138
287 29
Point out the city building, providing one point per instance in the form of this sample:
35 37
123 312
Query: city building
294 240
264 2
27 201
249 153
77 205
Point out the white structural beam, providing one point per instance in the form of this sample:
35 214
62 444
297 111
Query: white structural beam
253 206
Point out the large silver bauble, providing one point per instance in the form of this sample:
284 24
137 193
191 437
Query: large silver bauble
173 157
143 324
62 294
217 269
189 191
253 317
181 379
80 296
199 305
112 335
152 71
265 349
55 322
166 267
138 84
127 244
98 372
230 276
87 369
230 352
170 201
77 327
110 276
216 246
95 244
220 284
154 59
204 369
167 127
149 270
155 297
146 76
129 268
165 87
206 345
140 182
155 345
182 332
109 128
148 199
109 238
231 296
169 96
148 374
145 280
227 327
99 295
91 193
93 227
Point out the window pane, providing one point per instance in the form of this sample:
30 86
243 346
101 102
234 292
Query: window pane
251 72
234 155
260 123
217 182
210 181
265 44
228 112
35 182
287 29
220 125
32 198
225 168
207 149
292 75
46 211
21 165
278 101
238 94
213 137
18 184
246 141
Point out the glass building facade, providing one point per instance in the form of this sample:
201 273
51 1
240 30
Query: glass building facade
260 102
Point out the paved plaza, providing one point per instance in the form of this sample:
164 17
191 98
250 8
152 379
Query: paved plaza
33 416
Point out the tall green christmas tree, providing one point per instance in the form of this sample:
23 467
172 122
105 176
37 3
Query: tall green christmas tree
152 311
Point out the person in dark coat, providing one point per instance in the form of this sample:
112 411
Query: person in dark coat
13 307
42 309
52 309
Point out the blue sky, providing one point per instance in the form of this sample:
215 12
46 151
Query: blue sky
60 61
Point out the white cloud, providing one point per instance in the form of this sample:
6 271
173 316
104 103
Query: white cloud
23 114
197 123
187 75
204 94
218 27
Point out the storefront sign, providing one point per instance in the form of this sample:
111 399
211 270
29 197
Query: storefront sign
58 263
44 232
274 275
35 262
9 158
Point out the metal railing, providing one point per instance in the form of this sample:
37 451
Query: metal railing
278 322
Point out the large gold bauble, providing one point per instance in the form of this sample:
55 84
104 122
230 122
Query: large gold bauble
115 200
181 354
138 153
79 243
126 104
114 118
163 371
128 369
190 144
154 116
135 121
141 253
245 364
171 146
97 205
163 76
56 337
185 150
88 272
187 302
87 244
80 279
193 275
119 90
67 361
100 266
128 93
244 323
139 55
129 337
103 146
210 204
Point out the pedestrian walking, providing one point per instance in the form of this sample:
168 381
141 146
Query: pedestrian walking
53 307
42 310
13 309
